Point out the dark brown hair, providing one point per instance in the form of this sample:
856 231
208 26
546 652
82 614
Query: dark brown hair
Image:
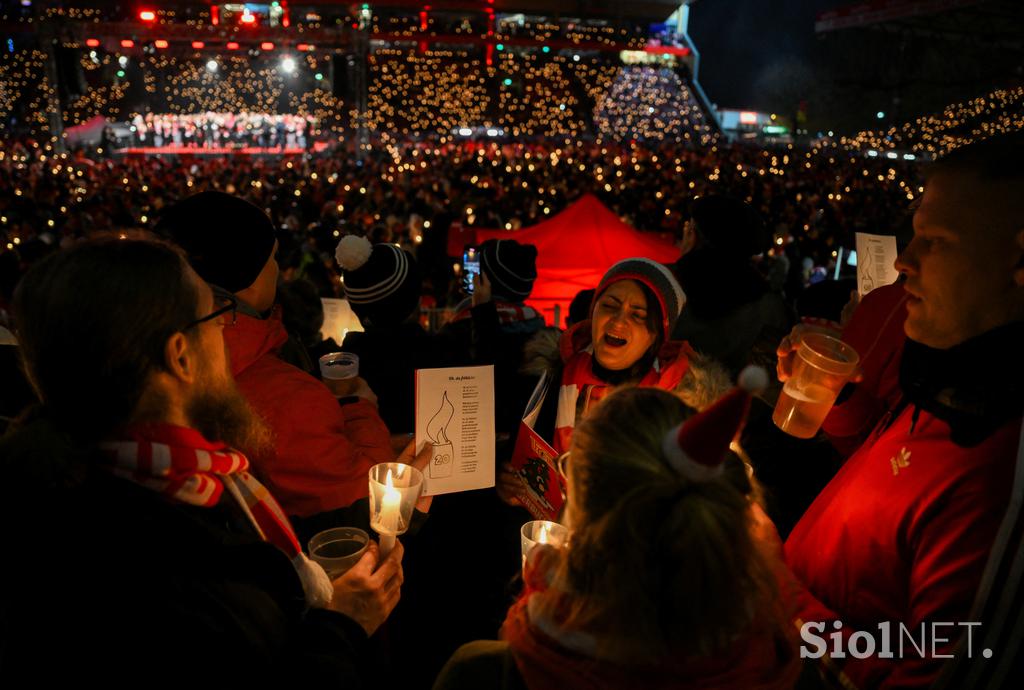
93 322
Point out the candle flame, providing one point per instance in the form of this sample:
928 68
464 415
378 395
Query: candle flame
545 533
389 483
437 427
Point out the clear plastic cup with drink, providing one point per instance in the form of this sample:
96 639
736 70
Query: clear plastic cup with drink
338 549
340 372
339 366
821 368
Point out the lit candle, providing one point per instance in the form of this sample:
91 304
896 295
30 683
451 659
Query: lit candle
542 532
545 533
390 516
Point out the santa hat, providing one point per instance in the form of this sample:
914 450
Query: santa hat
657 278
697 447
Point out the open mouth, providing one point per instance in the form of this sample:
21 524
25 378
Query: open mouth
614 341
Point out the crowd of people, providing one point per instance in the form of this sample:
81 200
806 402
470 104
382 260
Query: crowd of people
410 193
165 316
222 130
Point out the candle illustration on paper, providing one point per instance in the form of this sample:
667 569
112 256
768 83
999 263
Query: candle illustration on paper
455 424
443 458
876 255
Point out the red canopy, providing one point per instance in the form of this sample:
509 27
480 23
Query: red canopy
576 247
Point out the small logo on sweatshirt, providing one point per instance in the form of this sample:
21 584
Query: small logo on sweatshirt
900 461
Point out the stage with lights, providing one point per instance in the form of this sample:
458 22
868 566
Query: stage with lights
187 151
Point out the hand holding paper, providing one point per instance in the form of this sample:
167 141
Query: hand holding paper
419 460
455 421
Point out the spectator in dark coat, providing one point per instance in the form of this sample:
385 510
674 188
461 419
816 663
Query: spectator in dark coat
495 323
731 314
382 285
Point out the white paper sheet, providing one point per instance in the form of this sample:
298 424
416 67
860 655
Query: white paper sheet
338 319
875 257
455 416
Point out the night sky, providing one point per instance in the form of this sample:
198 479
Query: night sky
742 43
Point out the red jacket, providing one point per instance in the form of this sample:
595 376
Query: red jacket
903 534
322 451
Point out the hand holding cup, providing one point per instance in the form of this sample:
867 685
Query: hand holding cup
370 590
814 375
786 351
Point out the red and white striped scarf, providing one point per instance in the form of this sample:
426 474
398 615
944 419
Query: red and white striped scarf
183 465
581 388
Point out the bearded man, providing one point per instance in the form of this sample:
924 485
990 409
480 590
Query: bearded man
139 544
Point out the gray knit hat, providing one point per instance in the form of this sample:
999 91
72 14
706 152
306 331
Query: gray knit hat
657 278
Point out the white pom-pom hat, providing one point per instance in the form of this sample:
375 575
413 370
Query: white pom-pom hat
352 252
382 283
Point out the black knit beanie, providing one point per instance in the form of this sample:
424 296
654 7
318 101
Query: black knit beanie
227 239
382 281
731 226
511 267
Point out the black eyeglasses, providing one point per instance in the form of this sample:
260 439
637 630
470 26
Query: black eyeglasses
224 304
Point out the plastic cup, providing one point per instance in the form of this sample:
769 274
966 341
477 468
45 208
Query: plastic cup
822 367
394 490
542 532
338 366
338 549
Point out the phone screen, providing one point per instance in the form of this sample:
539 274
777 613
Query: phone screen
470 269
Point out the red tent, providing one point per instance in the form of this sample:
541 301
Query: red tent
576 247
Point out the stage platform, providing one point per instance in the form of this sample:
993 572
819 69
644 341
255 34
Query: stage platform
216 151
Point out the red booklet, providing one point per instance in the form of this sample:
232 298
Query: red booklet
541 488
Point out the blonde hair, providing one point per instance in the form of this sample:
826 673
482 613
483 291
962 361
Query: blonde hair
658 566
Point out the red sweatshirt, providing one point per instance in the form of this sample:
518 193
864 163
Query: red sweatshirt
903 533
322 451
876 333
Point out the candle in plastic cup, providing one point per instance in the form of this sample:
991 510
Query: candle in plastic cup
394 490
542 532
339 366
821 368
338 549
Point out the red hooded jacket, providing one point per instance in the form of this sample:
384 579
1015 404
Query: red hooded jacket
322 450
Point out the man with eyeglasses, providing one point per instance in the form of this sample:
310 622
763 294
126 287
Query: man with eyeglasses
139 545
321 449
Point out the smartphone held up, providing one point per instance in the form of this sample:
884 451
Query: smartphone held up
470 269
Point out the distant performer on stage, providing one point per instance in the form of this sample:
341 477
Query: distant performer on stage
213 132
